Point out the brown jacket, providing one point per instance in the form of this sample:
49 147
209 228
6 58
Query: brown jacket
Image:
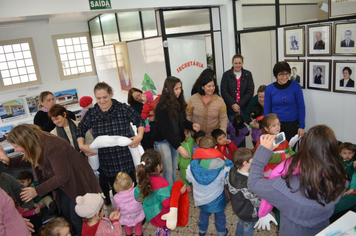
61 166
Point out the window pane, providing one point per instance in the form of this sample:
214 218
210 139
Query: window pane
64 57
7 82
3 66
1 49
77 48
25 46
24 78
129 25
27 54
16 47
14 72
83 40
22 71
86 54
257 16
28 62
20 63
68 41
7 48
5 73
60 42
31 69
85 47
16 80
299 12
81 69
74 70
10 56
183 21
149 23
2 57
32 77
95 32
70 49
71 56
12 64
108 22
76 41
18 55
72 63
88 68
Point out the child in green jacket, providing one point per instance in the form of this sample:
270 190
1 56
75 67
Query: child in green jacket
183 163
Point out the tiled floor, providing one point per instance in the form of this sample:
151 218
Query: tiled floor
192 226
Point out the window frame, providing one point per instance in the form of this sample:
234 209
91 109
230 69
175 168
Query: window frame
4 87
58 58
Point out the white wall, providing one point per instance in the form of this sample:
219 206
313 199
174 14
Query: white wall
42 39
337 110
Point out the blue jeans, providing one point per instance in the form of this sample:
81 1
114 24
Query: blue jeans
169 160
220 222
245 228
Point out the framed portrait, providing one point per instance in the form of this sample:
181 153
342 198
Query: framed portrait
339 8
319 74
344 77
123 66
319 40
344 38
298 71
294 41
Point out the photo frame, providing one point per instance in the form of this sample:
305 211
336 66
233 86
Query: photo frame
319 75
344 70
123 66
294 41
339 8
67 98
12 110
319 40
344 38
298 71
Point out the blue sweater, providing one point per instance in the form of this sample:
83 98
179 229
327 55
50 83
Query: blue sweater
287 103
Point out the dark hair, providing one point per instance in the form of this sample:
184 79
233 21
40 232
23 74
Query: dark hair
207 142
24 175
347 146
53 227
204 81
267 120
256 111
238 123
348 31
319 68
237 56
105 86
208 72
199 134
58 110
280 67
295 68
322 174
168 99
241 155
261 89
216 133
348 69
152 159
130 99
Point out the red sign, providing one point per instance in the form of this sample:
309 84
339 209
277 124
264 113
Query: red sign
188 64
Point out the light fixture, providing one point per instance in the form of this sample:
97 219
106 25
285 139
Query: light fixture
21 23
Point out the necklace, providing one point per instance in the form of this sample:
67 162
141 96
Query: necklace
284 98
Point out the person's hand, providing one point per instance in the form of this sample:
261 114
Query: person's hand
301 132
196 127
30 226
183 189
228 141
266 140
254 124
348 192
263 222
87 151
135 141
288 155
28 194
183 152
3 156
38 208
115 215
236 108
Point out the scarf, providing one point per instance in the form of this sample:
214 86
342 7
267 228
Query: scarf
73 129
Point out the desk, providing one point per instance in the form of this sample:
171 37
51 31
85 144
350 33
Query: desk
345 222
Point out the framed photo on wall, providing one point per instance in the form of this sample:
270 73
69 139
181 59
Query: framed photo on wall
294 41
341 8
123 66
344 38
298 71
319 40
344 76
319 74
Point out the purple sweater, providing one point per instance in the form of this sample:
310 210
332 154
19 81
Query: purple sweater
242 133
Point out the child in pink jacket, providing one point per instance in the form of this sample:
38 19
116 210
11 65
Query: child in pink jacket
132 213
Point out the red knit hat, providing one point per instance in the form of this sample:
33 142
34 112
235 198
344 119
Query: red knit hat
85 101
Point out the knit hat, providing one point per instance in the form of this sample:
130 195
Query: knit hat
85 101
89 204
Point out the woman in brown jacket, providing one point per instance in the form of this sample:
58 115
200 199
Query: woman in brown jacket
56 164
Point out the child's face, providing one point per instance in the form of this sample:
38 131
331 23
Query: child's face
25 182
222 140
186 133
65 231
346 154
274 128
198 141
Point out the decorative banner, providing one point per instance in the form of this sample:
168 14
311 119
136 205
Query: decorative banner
99 4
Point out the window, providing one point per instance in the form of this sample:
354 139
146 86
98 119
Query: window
18 64
74 57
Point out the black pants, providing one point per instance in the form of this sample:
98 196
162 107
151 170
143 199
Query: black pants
290 129
67 206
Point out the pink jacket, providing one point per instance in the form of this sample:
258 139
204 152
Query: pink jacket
11 222
130 209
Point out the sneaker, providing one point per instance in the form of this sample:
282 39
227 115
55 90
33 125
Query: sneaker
202 234
52 208
189 188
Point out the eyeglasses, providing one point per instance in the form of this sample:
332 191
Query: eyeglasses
283 75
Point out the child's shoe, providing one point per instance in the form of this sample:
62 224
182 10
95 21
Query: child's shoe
52 208
189 188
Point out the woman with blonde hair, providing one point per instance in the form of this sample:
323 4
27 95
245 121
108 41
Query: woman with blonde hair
56 164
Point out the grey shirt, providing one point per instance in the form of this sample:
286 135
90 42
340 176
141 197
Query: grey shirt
299 215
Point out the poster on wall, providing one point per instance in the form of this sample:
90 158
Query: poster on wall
294 41
32 103
319 74
344 76
298 71
12 110
342 8
344 38
123 66
67 98
319 40
3 135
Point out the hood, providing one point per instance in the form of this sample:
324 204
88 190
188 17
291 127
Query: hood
236 179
